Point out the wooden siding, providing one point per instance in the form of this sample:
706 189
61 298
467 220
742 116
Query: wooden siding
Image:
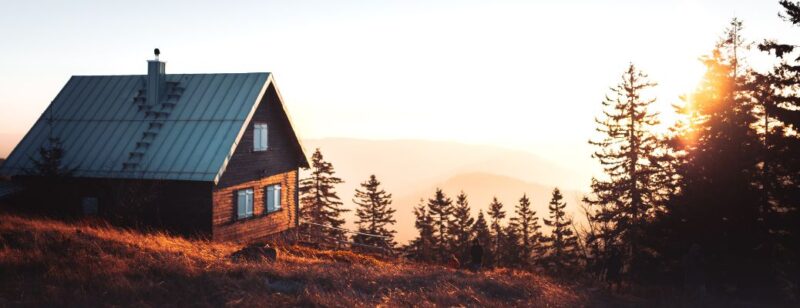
225 226
180 207
282 154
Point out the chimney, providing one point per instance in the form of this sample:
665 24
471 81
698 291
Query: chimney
156 79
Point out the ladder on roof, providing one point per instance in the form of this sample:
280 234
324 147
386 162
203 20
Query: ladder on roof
156 113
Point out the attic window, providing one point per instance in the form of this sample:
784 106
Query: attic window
260 137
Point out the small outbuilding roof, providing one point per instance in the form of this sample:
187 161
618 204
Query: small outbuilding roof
108 130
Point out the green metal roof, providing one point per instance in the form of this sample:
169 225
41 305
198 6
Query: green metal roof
109 131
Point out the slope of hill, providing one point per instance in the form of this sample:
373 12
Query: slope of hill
410 169
51 263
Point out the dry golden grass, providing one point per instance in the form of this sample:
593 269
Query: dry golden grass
47 262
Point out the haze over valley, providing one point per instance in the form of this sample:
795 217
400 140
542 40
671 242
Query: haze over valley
412 169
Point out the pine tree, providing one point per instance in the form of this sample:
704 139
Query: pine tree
780 159
461 227
527 225
563 242
423 246
50 162
632 158
480 230
786 73
320 203
49 174
374 215
720 173
440 209
510 250
496 214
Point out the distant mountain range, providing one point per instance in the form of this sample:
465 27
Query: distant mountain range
413 169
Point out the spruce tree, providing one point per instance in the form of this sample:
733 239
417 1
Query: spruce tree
562 241
50 162
480 230
496 214
510 251
632 158
320 203
423 246
527 225
786 74
374 214
720 173
440 208
49 174
780 159
461 227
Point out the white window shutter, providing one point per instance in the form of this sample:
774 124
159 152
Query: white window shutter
241 204
257 137
270 198
277 197
264 136
249 198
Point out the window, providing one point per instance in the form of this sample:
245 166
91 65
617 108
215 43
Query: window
89 205
273 195
244 203
260 137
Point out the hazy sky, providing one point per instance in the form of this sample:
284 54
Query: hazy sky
521 74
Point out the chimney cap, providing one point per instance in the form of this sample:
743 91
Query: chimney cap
156 52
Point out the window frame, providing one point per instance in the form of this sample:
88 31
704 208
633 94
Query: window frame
276 195
90 206
260 135
246 192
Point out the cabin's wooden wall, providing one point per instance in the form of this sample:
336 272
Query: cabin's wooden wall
179 207
257 169
225 226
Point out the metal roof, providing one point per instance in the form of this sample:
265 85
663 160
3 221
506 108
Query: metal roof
189 135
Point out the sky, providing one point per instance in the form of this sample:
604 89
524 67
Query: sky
526 75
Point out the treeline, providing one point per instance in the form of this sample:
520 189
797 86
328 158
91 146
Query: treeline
447 230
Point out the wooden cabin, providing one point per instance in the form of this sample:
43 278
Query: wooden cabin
213 155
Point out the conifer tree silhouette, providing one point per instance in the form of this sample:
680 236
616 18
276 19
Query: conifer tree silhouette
461 227
440 208
319 202
562 241
631 156
423 246
496 214
528 230
480 230
374 214
720 173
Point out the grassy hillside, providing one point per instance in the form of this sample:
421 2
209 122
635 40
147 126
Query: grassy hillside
45 262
